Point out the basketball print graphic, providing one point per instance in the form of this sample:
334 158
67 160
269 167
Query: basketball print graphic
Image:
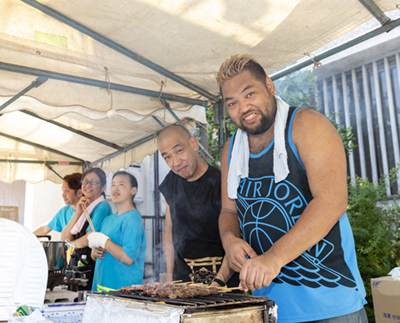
266 211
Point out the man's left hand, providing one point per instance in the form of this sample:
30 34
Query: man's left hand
258 272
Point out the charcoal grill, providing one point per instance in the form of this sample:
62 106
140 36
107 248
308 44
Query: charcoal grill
222 308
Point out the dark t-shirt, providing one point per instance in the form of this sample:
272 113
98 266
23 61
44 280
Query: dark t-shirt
195 207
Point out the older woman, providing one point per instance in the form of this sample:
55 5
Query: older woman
93 185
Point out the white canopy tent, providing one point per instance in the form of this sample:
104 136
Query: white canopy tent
92 82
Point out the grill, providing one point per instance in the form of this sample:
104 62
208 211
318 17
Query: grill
222 308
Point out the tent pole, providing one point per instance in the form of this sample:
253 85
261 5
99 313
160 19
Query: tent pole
100 84
109 43
158 121
221 127
133 145
296 67
19 161
39 146
204 138
39 81
157 221
49 167
375 11
83 134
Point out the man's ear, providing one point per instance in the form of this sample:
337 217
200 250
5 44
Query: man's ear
270 85
79 193
194 143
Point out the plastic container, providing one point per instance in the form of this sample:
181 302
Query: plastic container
64 313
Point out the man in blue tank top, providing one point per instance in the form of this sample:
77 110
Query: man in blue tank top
288 236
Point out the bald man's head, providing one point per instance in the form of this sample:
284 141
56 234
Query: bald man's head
179 150
174 129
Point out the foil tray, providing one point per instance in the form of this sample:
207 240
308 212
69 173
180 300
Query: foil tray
115 309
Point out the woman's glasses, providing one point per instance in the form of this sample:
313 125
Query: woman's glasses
85 182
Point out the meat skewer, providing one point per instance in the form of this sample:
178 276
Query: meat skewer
168 290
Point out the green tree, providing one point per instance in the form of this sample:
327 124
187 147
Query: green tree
298 89
374 223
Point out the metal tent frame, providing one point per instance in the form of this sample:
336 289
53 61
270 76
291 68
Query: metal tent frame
211 101
386 25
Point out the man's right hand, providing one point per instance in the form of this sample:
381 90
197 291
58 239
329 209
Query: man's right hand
236 251
169 277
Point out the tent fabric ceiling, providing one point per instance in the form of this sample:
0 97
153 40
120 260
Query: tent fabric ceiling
188 38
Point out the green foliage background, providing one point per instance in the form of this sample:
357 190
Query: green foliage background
374 222
375 225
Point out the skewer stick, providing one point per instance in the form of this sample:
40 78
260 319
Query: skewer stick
88 216
227 289
176 281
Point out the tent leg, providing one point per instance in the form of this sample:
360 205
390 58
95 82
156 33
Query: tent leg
204 140
221 127
157 229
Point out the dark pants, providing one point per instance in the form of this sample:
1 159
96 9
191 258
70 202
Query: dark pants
356 317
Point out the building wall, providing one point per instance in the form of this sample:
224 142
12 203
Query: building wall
43 200
360 88
13 194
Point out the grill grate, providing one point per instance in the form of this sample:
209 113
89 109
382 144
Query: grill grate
201 302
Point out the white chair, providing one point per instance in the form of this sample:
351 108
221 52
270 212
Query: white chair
23 269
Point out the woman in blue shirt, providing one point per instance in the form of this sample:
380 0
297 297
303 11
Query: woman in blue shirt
94 182
120 247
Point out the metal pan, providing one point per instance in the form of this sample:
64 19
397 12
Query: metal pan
55 253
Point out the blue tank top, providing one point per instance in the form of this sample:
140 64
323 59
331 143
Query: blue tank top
324 281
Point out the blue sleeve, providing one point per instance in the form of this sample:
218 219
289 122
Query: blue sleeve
56 222
133 237
100 212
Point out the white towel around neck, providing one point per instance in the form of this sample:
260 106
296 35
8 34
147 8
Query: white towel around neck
239 163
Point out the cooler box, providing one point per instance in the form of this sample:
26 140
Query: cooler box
386 299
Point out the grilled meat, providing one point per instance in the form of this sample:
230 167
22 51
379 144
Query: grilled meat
168 290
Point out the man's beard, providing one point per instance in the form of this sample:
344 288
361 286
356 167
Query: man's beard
264 125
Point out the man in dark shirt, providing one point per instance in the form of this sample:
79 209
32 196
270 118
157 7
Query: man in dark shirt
192 190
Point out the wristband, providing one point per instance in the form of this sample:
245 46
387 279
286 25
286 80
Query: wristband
218 281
